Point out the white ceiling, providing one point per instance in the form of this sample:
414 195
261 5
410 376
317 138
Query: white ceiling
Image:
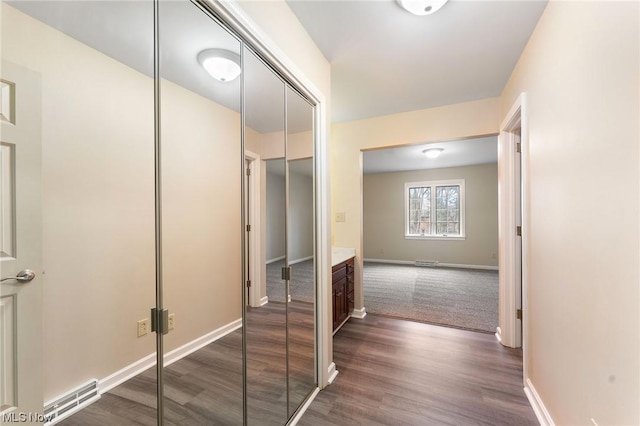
385 60
455 154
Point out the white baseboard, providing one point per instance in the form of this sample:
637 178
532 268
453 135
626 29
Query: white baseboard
332 373
460 266
444 265
499 334
199 343
359 313
121 376
275 259
304 259
392 262
264 301
538 406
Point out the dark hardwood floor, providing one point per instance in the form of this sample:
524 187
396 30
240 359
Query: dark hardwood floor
205 388
392 372
396 372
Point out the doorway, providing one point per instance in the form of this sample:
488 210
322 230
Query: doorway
430 231
513 147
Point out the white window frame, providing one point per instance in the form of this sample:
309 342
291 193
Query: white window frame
433 185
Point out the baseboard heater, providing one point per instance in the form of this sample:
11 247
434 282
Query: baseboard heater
68 404
426 263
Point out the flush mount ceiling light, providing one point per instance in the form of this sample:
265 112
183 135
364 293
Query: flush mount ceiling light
432 152
421 7
221 64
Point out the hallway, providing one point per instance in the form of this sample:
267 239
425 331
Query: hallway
395 372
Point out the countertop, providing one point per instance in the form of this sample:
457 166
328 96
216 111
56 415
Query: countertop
340 254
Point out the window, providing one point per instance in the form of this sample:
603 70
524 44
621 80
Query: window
434 210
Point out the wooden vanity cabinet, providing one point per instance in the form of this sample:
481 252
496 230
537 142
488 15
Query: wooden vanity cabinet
342 292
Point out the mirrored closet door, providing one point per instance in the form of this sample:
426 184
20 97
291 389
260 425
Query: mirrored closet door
301 336
201 217
280 308
266 350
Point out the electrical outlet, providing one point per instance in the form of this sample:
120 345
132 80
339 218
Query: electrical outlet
172 321
143 327
340 217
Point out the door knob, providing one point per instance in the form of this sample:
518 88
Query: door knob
23 276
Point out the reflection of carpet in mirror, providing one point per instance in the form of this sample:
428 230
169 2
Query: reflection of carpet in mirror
461 298
301 285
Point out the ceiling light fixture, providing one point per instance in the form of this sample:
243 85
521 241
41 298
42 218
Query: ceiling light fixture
432 152
421 7
221 64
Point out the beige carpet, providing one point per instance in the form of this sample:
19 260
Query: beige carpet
461 298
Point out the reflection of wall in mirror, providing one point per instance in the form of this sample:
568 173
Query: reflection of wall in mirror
271 145
275 217
299 145
300 217
266 145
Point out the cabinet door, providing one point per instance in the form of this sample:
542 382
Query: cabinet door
339 302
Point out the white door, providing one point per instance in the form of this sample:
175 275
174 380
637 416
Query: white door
21 397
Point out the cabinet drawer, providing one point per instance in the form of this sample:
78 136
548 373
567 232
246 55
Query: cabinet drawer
350 283
338 266
339 274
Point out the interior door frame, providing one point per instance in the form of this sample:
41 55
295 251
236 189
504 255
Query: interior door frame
254 216
513 290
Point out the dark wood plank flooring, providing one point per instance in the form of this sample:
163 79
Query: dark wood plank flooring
205 388
396 372
392 372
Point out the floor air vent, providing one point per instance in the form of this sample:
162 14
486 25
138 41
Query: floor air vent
74 401
426 263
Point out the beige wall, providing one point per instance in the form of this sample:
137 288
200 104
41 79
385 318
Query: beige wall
97 135
349 139
384 217
580 73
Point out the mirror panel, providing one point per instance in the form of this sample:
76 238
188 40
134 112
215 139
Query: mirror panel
264 109
300 251
201 149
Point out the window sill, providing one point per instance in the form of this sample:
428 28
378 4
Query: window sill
435 237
